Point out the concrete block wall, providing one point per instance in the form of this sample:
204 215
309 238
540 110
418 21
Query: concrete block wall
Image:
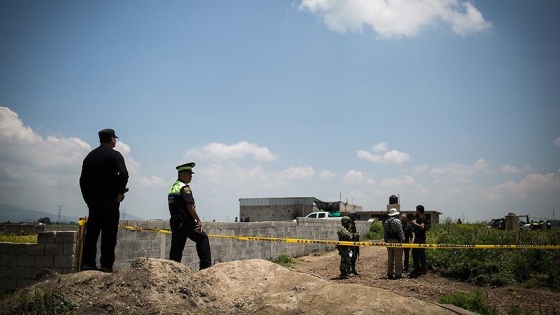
132 244
20 263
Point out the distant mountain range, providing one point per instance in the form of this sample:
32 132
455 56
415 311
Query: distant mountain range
16 215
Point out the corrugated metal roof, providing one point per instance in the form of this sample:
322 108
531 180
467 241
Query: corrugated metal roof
284 201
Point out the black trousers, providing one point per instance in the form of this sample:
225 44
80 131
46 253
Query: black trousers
179 237
406 256
419 256
103 219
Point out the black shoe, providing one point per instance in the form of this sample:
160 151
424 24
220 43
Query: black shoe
397 277
88 267
106 269
355 272
343 276
390 277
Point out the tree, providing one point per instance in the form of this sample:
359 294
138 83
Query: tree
45 220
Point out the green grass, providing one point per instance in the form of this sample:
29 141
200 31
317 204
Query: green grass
44 302
15 238
375 231
473 301
285 261
496 267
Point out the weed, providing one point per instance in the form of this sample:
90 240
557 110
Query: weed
527 267
44 302
375 231
473 301
15 238
285 260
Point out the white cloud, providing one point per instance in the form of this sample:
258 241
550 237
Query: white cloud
388 157
53 165
327 174
510 169
220 151
460 169
549 182
557 142
354 177
397 18
380 147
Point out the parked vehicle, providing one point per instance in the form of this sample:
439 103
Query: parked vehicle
324 215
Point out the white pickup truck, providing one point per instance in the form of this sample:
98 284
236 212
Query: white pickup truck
322 215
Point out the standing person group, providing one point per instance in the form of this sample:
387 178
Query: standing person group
103 183
402 231
393 233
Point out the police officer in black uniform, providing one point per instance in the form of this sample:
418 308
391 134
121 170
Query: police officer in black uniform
185 222
103 184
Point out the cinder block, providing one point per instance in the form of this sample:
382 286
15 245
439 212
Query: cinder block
46 238
54 249
8 284
65 237
44 261
5 259
26 260
16 272
35 249
17 249
3 271
4 248
63 261
68 249
22 283
31 272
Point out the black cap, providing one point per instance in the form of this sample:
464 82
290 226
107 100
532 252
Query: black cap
187 167
105 135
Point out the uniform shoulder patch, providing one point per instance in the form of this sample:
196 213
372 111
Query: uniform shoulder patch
187 190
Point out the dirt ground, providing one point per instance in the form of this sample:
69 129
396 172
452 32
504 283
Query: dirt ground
430 287
156 286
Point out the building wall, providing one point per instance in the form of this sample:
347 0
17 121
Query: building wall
20 263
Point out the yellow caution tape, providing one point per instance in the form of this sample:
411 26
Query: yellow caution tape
348 243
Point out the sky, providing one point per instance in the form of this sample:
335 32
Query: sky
451 104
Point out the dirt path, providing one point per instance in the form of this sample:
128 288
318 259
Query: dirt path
431 287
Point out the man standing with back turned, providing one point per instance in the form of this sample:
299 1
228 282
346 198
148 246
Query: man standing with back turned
185 222
103 184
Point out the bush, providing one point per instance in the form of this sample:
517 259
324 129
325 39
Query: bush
284 261
473 301
375 231
528 267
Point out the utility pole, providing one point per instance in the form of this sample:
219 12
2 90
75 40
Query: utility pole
59 211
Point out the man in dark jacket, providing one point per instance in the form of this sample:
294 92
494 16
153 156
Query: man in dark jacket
103 184
407 229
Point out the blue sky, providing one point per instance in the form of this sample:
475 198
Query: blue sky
451 104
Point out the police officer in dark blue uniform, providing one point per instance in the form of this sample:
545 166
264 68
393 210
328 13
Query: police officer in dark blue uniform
103 184
185 222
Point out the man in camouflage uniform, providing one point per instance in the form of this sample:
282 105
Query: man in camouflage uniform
355 249
345 252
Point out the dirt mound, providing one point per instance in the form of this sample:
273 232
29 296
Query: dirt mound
157 286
